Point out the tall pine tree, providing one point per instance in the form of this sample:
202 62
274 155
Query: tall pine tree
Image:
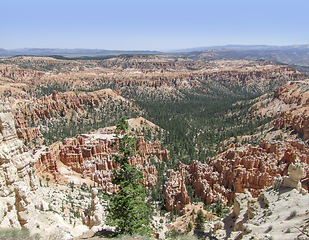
127 209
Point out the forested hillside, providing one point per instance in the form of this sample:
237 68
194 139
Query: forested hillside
198 103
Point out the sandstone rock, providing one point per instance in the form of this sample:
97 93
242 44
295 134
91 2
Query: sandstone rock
18 180
29 134
20 197
273 213
91 155
239 167
95 215
24 206
290 103
296 172
175 192
241 202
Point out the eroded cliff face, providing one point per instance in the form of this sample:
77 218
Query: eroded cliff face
239 167
91 155
290 105
296 116
18 182
33 115
141 72
60 104
23 203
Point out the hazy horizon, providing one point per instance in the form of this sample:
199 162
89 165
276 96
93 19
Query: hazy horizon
152 25
167 50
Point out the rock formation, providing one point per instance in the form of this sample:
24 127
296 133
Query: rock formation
274 214
175 192
239 167
91 155
80 86
289 103
18 182
56 105
296 173
95 215
149 71
21 202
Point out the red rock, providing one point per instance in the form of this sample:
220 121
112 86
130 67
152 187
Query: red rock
235 169
91 155
175 192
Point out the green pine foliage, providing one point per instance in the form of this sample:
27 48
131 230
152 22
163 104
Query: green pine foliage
196 124
127 209
200 221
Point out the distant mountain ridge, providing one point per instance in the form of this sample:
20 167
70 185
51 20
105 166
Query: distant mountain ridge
96 52
294 55
68 52
244 47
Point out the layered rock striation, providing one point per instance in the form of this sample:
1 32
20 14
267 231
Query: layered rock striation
140 72
290 105
57 105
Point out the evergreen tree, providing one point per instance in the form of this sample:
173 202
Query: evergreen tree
200 221
127 209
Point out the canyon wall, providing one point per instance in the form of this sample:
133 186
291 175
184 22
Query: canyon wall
18 182
136 71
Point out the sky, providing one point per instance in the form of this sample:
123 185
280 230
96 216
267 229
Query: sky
151 25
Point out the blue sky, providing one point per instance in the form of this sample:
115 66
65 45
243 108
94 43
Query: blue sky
151 25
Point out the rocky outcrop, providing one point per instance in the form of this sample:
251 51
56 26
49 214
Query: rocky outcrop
175 192
95 215
274 214
60 104
92 155
18 182
33 115
296 173
298 122
204 179
29 134
21 203
239 167
290 105
48 162
152 149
